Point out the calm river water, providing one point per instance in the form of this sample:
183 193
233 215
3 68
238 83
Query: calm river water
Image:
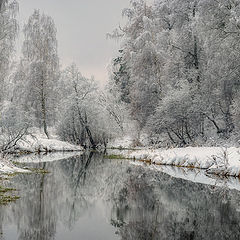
92 198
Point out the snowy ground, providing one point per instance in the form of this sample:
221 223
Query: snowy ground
124 142
50 157
38 142
215 160
195 175
7 167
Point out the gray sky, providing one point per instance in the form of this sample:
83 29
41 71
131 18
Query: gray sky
82 26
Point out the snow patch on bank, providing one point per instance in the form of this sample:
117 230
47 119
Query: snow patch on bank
8 167
195 175
128 142
36 143
50 157
214 160
125 142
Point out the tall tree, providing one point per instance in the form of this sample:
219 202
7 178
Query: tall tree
137 76
8 33
1 4
40 54
179 68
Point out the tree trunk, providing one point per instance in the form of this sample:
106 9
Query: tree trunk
43 105
187 131
1 4
90 137
89 133
45 124
213 122
84 122
170 137
229 124
85 126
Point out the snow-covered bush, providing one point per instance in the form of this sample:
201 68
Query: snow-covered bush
86 116
14 125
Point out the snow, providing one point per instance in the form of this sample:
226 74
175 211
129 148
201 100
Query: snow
8 167
125 142
50 157
39 143
195 175
215 160
128 142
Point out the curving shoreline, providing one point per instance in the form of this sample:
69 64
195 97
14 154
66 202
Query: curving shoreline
214 160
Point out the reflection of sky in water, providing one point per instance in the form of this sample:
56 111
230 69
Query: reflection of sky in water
10 232
92 198
92 225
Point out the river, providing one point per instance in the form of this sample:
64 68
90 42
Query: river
90 197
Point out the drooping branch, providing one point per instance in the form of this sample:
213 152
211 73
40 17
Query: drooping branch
13 140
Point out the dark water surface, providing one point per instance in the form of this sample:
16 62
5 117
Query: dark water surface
92 198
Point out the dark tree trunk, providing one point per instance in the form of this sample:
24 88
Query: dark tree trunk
196 50
213 122
1 4
85 126
170 137
43 105
44 118
89 133
83 121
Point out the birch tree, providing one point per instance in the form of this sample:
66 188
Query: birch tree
40 54
8 33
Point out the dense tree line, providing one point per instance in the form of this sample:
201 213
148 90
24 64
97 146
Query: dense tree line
175 79
178 69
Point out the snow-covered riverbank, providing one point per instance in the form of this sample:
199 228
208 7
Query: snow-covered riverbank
7 167
194 175
49 157
38 143
215 160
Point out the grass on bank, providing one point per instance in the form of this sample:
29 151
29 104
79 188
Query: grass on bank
7 196
115 156
32 170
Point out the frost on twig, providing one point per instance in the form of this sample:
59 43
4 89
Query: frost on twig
222 159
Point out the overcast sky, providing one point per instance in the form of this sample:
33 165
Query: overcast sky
82 26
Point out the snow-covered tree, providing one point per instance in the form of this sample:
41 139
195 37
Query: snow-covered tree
136 71
86 116
8 33
178 68
40 55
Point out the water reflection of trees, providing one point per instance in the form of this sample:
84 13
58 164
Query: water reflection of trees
48 198
64 195
161 207
143 204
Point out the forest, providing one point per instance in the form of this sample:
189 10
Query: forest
175 80
178 70
152 154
